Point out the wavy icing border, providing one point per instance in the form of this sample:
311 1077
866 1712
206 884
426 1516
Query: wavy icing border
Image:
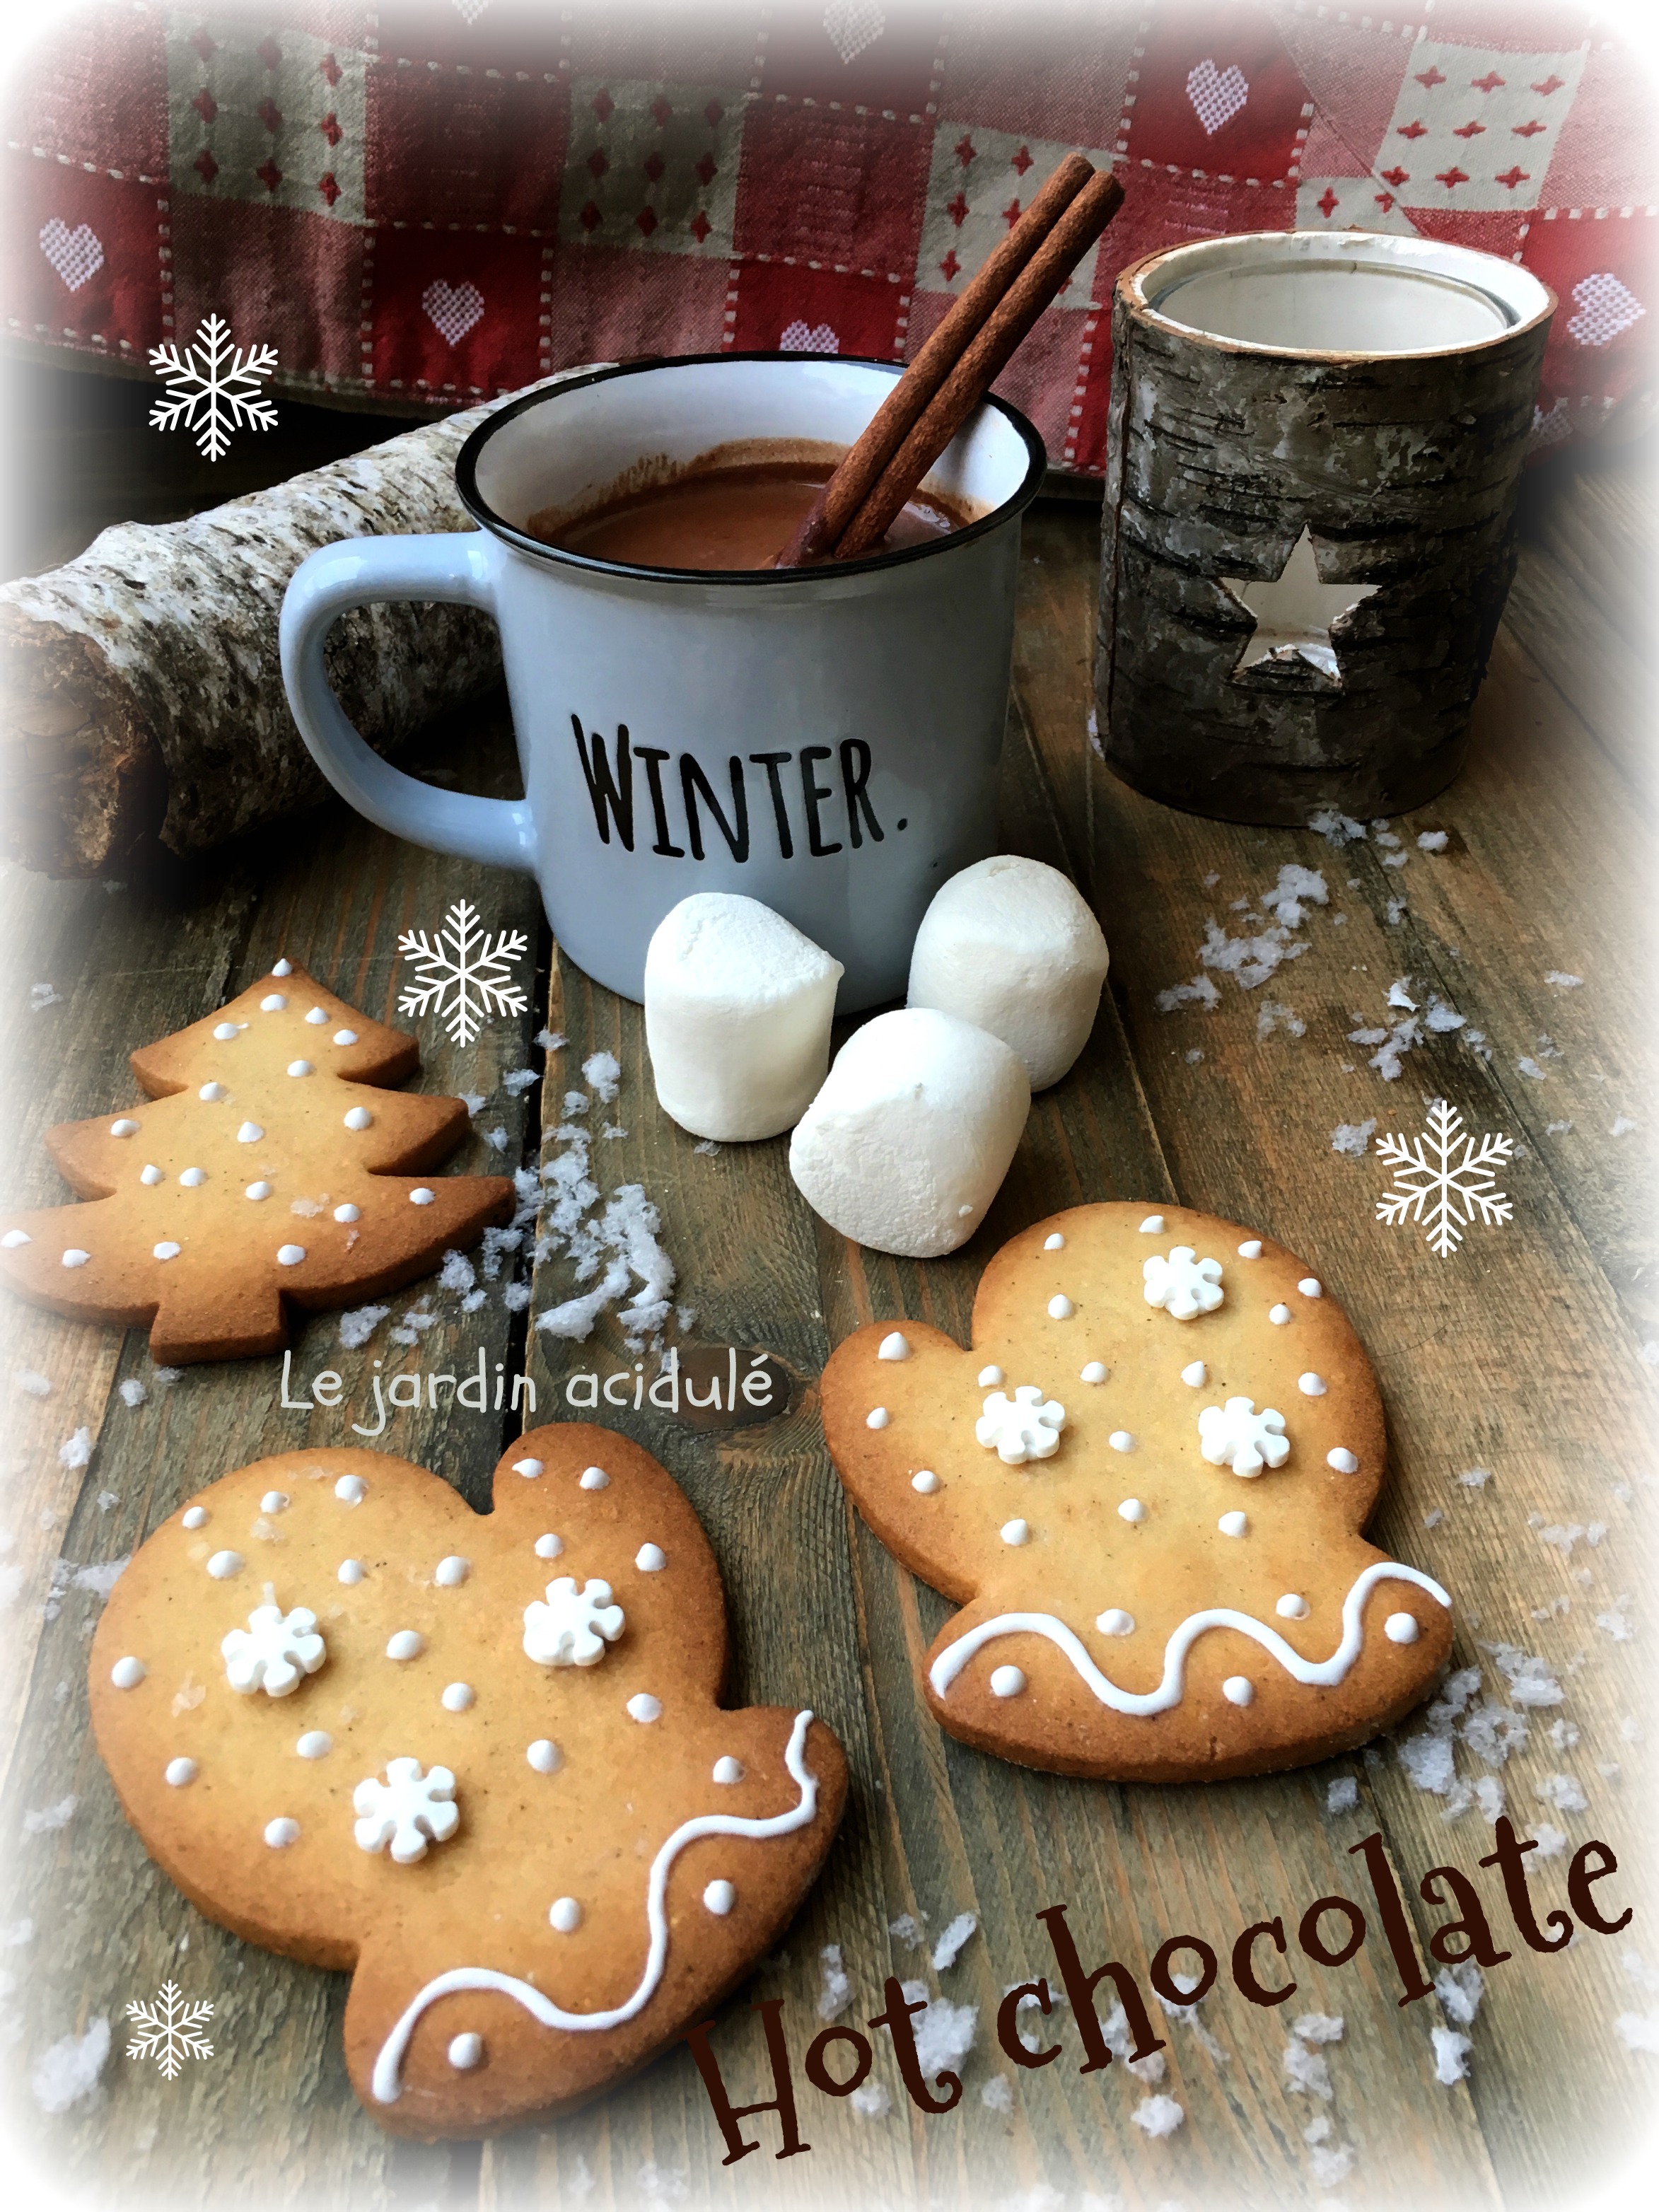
1326 1672
385 2081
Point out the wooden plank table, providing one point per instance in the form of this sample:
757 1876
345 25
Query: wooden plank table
1522 1355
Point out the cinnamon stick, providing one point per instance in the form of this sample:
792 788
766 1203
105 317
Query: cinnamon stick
862 464
1009 324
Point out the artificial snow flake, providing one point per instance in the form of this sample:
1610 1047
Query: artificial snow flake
465 973
1435 1185
216 394
169 2029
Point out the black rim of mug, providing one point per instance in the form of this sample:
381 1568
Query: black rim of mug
466 484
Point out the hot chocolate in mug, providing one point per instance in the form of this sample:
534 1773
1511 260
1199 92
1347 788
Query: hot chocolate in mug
824 740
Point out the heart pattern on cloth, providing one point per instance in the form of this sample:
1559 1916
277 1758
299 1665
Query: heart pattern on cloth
1217 94
76 255
1605 308
453 309
469 10
808 337
852 25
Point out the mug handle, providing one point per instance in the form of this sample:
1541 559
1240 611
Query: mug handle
451 566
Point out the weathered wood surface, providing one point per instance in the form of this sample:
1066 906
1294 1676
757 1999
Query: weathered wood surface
1522 1354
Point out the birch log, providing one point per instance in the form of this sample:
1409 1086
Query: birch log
140 692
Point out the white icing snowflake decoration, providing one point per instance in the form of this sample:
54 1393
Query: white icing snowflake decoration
573 1628
1025 1426
1183 1285
1241 1439
409 1809
274 1652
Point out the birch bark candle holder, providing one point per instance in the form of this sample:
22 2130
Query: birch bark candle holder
1308 530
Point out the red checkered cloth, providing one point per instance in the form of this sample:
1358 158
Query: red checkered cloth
434 201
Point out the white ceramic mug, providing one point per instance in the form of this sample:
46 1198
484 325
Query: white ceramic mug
825 740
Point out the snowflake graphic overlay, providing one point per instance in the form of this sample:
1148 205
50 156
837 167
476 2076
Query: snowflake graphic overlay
1428 1168
465 973
215 395
170 2029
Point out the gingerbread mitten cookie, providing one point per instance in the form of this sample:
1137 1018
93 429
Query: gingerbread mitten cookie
1145 1485
476 1759
264 1170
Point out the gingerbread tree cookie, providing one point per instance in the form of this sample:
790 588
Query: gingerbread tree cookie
1144 1485
264 1169
477 1759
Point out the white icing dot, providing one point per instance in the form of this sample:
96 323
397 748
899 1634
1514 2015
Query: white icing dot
1310 1287
545 1756
548 1546
877 1418
289 1255
317 1017
1131 1509
1094 1372
273 1004
422 1196
75 1257
1291 1607
465 2051
530 1468
1121 1441
719 1897
728 1770
1006 1681
225 1032
280 1833
1153 1226
594 1478
315 1743
249 1133
1251 1249
1195 1375
925 1481
1238 1690
458 1696
351 1571
195 1516
1016 1532
893 1348
15 1237
166 1250
644 1707
283 968
1342 1460
1061 1307
358 1117
1054 1243
300 1067
351 1490
1116 1622
258 1191
1310 1385
193 1178
124 1128
451 1570
211 1093
1279 1315
345 1037
275 1501
178 1771
127 1674
406 1644
150 1176
1233 1524
651 1559
565 1914
1401 1628
348 1213
223 1564
991 1378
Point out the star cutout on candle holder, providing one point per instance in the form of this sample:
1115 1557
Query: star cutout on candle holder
1295 612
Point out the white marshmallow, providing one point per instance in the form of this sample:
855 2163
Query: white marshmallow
908 1142
738 1006
1010 945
